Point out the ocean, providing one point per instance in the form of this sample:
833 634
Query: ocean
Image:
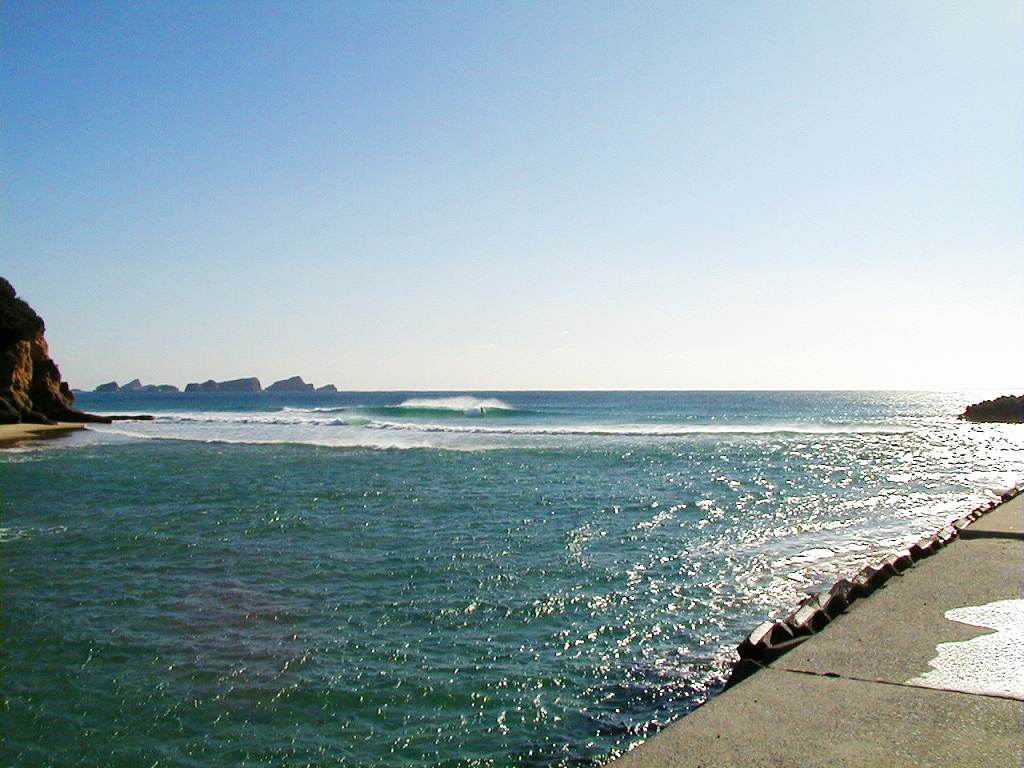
421 579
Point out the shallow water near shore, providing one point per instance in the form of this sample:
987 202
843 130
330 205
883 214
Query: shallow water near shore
411 579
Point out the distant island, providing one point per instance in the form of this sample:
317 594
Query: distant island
1007 409
251 384
294 384
135 386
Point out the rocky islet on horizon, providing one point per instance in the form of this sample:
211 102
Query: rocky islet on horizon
136 386
1006 409
251 384
294 384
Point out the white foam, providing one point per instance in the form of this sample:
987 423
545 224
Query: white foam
636 430
992 664
460 403
809 556
340 437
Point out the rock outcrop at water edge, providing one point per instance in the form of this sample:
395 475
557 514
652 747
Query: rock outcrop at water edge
1008 409
31 389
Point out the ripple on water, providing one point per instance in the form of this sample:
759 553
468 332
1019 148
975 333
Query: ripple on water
216 604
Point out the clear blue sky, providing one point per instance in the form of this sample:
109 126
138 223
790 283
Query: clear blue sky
523 195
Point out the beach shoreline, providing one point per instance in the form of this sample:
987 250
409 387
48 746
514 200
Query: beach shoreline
13 435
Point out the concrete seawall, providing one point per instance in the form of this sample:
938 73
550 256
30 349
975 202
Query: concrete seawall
873 688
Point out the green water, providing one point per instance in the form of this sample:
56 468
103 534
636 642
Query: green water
177 602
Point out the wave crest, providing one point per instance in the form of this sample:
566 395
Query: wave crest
463 403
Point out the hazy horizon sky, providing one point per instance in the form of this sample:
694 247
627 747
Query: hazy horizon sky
524 195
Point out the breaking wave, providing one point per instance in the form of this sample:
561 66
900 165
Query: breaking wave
461 403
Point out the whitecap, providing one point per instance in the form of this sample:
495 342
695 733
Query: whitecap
463 403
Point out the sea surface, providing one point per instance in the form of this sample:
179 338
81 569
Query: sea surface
421 579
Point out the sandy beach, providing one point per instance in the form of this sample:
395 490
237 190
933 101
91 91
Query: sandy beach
13 434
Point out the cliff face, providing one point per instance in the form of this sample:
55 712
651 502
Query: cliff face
31 389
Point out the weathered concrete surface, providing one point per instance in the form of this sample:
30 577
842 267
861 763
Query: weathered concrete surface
778 718
842 698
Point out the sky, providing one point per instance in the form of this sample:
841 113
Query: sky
484 195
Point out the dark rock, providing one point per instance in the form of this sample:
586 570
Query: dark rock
132 386
207 386
8 413
1008 408
110 386
31 389
250 384
18 321
327 389
294 384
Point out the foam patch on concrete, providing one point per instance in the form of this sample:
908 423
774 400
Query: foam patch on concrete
992 664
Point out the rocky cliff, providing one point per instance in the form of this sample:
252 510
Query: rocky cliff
294 384
1008 408
251 384
31 389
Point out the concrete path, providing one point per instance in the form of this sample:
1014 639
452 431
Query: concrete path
853 695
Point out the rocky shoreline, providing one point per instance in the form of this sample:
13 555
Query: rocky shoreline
1008 409
31 388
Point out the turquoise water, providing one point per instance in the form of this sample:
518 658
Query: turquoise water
403 579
